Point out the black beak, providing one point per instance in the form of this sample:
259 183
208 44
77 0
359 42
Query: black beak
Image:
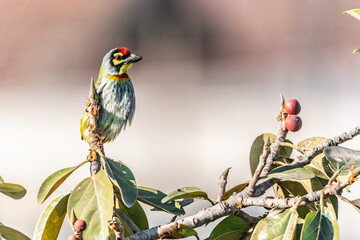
133 58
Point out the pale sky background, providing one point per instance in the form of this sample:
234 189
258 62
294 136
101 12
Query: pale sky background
208 85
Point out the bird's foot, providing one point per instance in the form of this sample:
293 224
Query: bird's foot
99 144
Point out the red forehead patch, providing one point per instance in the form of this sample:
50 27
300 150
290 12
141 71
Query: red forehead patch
124 51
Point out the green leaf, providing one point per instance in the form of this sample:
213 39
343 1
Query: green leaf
318 183
257 149
298 230
317 226
326 167
153 198
11 234
230 228
342 158
185 192
293 189
92 201
14 191
280 226
135 213
235 189
123 178
311 142
291 173
50 221
181 202
177 231
333 219
1 180
185 202
279 191
354 13
355 203
53 182
308 144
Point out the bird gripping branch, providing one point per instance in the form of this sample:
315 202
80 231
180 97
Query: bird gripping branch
116 96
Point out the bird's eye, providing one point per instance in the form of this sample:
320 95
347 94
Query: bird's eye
118 57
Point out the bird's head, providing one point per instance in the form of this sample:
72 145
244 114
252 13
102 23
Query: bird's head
119 60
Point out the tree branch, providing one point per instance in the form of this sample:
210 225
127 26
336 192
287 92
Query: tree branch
116 226
328 190
305 159
127 220
274 150
222 185
260 166
231 206
248 218
265 164
92 108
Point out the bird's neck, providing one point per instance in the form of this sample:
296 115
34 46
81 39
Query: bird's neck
116 77
120 77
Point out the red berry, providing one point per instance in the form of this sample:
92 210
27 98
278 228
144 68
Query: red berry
293 123
292 106
79 225
72 237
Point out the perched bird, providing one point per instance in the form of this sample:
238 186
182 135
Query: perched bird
116 95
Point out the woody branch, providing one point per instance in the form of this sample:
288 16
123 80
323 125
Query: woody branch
92 108
243 199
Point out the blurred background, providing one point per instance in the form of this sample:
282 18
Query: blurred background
208 85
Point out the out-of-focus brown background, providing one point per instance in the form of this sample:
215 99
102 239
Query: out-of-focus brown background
208 85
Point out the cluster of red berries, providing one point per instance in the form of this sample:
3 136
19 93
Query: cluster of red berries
292 122
79 226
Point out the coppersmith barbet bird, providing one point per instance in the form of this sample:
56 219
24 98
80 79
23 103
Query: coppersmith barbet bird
116 95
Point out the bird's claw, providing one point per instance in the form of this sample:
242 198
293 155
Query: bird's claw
99 144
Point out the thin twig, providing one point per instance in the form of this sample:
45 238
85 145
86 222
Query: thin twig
127 220
116 226
248 218
334 176
260 166
299 149
274 151
222 185
280 163
270 157
173 218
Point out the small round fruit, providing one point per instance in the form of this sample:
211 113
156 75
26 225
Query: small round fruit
79 225
72 237
293 123
292 106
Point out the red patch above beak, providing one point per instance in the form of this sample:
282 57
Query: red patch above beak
124 51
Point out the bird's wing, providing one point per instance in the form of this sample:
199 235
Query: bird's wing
101 73
84 123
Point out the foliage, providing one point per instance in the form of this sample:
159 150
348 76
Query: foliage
230 228
113 191
14 191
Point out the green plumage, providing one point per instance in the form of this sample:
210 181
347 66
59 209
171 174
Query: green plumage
117 97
